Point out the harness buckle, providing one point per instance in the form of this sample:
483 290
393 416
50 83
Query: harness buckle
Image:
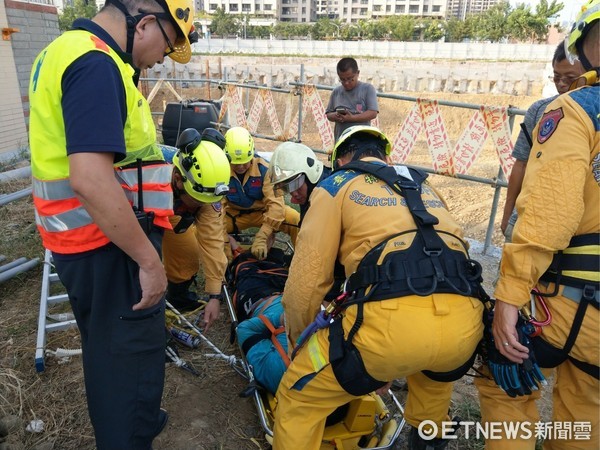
589 293
432 252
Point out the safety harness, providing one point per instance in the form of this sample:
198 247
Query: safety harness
426 267
566 269
271 332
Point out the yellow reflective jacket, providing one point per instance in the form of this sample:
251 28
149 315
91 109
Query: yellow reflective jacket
64 224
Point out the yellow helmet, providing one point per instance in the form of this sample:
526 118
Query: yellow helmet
357 137
239 145
291 161
590 12
181 13
203 166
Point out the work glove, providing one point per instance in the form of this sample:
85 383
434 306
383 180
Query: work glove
515 379
260 246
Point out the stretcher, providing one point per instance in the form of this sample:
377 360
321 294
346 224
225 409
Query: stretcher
365 423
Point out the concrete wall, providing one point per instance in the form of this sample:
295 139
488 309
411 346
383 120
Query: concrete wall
13 133
513 69
380 49
38 26
386 74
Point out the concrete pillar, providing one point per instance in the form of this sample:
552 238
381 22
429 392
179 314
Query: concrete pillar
498 86
435 84
484 86
472 86
448 84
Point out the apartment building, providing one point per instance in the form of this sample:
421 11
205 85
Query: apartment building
297 10
462 8
354 10
261 8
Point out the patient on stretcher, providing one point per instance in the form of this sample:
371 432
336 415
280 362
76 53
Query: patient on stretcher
256 291
262 339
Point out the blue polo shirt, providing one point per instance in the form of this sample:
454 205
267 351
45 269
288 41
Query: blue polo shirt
93 101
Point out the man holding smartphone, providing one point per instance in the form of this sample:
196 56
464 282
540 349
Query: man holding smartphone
352 103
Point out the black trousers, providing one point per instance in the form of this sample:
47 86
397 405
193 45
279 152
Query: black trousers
123 350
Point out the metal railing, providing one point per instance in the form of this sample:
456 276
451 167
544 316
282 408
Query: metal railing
498 182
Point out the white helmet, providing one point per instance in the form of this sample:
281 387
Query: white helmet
289 162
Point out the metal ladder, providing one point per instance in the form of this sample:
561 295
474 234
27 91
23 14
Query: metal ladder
49 278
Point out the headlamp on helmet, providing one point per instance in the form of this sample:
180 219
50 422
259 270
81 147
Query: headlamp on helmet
203 166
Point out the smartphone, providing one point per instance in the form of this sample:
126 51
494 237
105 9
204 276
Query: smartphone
341 110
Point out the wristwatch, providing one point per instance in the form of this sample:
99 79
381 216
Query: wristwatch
215 296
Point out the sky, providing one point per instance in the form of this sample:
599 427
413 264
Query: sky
570 10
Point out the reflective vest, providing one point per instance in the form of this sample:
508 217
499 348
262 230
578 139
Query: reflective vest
64 224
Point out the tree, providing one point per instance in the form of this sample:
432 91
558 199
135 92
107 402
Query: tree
493 25
520 23
80 8
401 28
432 30
459 30
224 24
259 31
524 25
543 13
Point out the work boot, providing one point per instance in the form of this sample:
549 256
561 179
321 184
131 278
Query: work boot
416 442
181 297
163 418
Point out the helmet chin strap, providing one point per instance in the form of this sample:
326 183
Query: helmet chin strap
587 65
131 22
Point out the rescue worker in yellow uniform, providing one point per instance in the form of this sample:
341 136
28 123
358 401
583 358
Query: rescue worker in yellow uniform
555 250
199 182
250 200
410 304
295 170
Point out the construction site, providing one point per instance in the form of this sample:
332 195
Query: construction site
457 103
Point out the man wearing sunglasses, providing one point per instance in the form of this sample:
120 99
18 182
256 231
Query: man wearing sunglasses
93 150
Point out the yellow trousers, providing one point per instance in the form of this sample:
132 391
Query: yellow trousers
181 254
200 244
575 395
398 338
255 219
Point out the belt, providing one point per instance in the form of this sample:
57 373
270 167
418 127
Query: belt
576 294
